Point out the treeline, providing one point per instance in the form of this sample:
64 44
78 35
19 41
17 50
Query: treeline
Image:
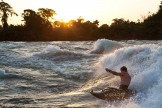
41 26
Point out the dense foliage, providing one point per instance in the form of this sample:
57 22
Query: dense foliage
41 26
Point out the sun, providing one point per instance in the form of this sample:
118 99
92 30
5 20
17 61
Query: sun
65 9
72 9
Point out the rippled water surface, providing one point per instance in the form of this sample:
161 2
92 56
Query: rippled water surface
61 74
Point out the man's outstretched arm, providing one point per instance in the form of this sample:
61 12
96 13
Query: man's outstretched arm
113 72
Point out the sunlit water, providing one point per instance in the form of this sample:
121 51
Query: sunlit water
61 74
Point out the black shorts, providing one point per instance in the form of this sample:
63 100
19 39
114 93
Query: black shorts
123 87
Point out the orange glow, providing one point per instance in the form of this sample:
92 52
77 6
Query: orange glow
102 10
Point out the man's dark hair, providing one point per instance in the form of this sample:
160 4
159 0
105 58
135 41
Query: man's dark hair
123 68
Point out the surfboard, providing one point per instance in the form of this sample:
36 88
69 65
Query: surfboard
113 94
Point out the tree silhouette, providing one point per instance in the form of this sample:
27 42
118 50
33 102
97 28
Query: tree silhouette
31 18
117 21
160 5
103 31
5 11
46 13
80 19
96 22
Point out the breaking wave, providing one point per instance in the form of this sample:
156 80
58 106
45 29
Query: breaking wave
104 46
144 66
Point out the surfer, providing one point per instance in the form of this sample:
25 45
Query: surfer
113 94
124 75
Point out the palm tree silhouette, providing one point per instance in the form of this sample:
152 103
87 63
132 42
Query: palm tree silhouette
5 11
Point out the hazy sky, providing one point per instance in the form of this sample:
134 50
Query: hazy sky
102 10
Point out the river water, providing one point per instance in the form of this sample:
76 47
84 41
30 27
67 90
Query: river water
61 74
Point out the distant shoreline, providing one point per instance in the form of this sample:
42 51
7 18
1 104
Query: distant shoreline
76 40
38 27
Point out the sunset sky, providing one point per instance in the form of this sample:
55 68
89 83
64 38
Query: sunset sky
102 10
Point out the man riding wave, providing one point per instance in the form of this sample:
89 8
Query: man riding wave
124 75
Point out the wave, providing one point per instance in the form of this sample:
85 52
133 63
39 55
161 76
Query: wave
144 63
2 73
55 51
69 64
5 75
105 46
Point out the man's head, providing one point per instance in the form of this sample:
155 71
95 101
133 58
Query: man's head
123 68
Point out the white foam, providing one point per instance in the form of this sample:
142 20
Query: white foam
154 96
69 63
129 103
104 46
51 49
144 63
